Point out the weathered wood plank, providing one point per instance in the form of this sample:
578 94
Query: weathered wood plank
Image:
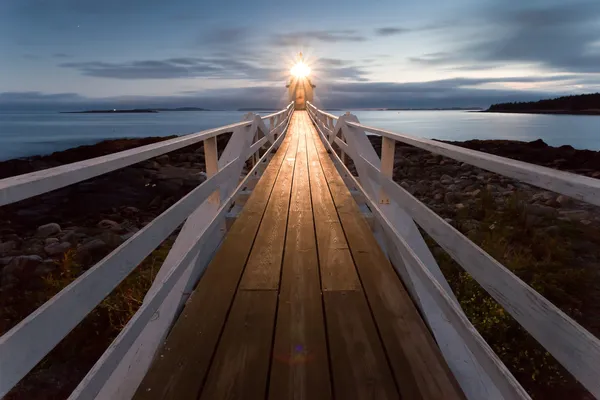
300 366
263 269
572 345
359 367
241 365
419 369
182 363
337 268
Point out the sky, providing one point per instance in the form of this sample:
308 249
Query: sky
229 54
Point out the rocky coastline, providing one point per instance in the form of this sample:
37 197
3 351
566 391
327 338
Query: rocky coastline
82 223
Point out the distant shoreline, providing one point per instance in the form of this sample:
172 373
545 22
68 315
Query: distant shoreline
557 112
134 110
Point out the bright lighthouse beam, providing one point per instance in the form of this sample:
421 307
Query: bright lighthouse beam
300 70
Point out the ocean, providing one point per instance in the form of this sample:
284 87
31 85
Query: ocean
37 133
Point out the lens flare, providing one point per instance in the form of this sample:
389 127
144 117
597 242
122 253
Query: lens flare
300 70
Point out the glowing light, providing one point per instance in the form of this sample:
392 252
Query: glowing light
300 70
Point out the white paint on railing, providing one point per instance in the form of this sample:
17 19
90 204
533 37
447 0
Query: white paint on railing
127 376
577 186
30 340
572 345
473 379
22 347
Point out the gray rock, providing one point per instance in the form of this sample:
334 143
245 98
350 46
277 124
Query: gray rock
446 179
92 245
6 260
543 196
45 267
450 198
132 210
452 188
574 215
552 230
164 159
540 210
460 206
34 247
475 193
7 246
564 201
21 265
69 236
151 164
586 221
49 241
57 248
110 238
109 224
438 197
48 230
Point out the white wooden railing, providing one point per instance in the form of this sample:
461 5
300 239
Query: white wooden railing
121 368
477 368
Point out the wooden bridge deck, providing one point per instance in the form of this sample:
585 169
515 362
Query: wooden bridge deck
299 302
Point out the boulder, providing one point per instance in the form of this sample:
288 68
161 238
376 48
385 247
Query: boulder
446 179
564 201
540 210
48 230
51 240
55 249
574 215
164 159
109 224
89 249
7 247
22 266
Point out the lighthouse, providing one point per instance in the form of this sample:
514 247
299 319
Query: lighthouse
300 88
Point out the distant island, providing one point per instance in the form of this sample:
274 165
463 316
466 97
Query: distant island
583 104
135 110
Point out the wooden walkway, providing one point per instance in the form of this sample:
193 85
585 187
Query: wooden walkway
299 302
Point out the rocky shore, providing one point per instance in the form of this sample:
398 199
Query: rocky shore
43 237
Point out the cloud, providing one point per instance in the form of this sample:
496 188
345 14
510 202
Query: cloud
458 92
562 37
180 67
61 55
297 39
390 31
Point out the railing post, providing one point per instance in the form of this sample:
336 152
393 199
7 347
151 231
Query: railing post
388 147
211 160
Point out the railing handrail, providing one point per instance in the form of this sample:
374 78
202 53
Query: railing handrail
571 344
23 346
24 186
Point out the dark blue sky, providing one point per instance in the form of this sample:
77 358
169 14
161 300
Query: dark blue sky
230 54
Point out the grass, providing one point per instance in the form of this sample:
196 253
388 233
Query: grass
550 263
65 366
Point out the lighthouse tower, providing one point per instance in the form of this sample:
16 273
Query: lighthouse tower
300 88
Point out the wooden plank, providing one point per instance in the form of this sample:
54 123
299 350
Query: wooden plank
182 363
474 380
337 268
263 269
300 366
23 346
418 366
359 367
127 376
571 344
241 365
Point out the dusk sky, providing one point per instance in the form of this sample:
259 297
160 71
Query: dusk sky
231 54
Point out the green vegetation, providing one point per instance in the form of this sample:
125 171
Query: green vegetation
80 349
547 256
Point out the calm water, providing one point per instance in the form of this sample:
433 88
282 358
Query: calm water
26 134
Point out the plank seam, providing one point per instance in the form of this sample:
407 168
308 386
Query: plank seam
287 221
329 363
214 352
387 358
